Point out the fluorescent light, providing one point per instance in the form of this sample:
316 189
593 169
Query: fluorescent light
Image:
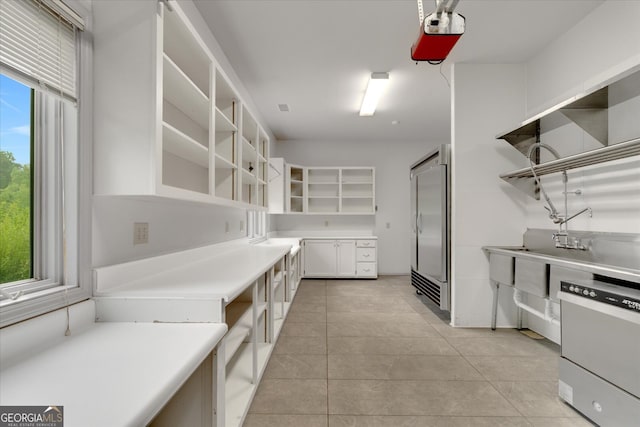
377 83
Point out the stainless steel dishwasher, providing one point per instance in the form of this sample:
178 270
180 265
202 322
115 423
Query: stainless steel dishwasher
600 365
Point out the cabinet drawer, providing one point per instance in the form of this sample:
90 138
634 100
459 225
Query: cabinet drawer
366 243
366 254
366 269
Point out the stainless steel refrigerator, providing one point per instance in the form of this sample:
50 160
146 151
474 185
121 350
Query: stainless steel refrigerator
430 222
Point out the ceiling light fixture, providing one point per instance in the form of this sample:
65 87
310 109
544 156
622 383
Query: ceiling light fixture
377 83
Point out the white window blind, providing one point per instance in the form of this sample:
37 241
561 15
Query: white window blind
39 45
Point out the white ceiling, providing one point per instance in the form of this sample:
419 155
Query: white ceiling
316 56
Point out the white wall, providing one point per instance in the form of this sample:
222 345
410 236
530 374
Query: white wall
582 58
173 226
486 99
603 44
392 161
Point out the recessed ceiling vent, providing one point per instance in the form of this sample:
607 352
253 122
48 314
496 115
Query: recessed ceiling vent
283 107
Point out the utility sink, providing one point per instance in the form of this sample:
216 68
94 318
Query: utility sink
614 255
538 267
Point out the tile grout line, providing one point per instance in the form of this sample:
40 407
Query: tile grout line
326 336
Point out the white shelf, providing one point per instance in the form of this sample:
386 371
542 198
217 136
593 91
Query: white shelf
182 46
277 325
239 387
239 318
357 197
248 177
278 280
357 182
323 175
222 163
180 144
357 175
261 308
249 127
226 100
223 123
180 91
247 145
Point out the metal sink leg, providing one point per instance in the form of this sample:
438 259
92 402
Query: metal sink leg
494 309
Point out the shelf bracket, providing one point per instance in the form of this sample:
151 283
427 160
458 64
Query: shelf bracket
594 121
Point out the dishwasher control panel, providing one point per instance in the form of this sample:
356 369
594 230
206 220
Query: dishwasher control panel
618 296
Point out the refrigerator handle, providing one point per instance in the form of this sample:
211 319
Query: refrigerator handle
419 222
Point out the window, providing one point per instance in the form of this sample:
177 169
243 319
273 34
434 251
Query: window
16 231
43 193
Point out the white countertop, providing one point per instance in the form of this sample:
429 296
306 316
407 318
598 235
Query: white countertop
111 374
322 234
223 276
294 242
341 237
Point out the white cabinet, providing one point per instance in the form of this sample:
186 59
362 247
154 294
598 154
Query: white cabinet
171 125
366 259
347 191
320 258
323 190
295 189
294 270
357 191
276 174
326 190
346 256
340 258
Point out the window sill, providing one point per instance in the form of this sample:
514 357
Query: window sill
39 302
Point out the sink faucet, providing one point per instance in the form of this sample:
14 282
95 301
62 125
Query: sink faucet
564 241
562 238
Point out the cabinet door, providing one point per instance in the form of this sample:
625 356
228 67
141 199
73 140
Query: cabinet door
276 175
346 258
320 258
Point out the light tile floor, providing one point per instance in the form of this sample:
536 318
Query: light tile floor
372 354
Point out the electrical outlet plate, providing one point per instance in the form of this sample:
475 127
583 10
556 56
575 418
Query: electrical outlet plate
140 233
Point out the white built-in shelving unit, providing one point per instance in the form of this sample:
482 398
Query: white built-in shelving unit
226 129
323 190
357 190
295 189
328 190
173 125
250 288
